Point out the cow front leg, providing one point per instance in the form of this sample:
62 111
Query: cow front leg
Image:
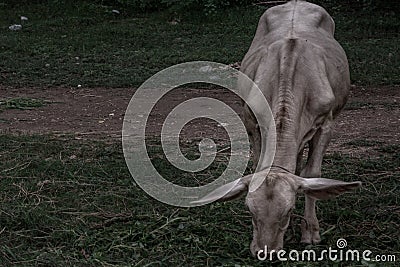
317 148
310 227
299 162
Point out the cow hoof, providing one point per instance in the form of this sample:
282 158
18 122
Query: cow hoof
316 239
306 239
309 235
310 238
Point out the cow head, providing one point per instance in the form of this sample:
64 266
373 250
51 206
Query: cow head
272 202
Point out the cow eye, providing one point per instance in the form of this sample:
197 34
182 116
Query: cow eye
284 223
289 212
285 219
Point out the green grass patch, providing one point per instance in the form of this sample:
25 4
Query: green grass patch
68 201
391 149
86 44
22 103
354 105
363 143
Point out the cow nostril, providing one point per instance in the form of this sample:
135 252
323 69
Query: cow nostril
274 256
254 248
266 254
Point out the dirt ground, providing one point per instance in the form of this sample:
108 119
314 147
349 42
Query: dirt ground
372 113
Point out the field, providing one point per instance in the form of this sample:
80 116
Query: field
67 197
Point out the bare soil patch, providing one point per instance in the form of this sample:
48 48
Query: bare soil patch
372 114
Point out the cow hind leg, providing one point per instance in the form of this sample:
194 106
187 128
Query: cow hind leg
317 148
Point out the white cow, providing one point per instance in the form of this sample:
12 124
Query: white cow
303 73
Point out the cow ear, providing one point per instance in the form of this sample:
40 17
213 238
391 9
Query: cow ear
321 188
227 191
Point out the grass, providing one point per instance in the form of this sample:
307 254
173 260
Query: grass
369 40
24 103
363 143
68 201
86 44
355 105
